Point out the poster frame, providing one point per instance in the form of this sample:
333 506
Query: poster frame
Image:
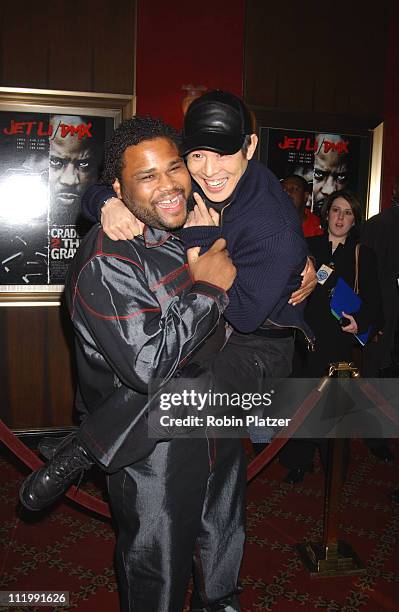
43 101
368 127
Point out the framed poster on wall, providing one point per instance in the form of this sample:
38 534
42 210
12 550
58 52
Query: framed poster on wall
329 153
328 161
51 149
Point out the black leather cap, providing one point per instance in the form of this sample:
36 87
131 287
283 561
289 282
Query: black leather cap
217 121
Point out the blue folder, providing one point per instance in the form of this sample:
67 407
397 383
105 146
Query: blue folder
345 299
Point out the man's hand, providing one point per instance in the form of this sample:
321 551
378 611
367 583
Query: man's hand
118 222
214 267
309 282
200 215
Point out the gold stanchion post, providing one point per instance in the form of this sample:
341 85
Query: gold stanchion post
333 557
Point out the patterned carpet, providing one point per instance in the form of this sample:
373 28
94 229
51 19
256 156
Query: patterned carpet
70 550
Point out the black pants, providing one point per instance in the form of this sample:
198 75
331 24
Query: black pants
188 495
248 360
117 439
249 364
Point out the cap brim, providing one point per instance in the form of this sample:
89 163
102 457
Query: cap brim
211 141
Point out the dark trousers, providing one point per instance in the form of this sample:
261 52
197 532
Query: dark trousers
248 360
183 495
117 438
188 495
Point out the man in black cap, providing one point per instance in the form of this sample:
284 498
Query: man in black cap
238 198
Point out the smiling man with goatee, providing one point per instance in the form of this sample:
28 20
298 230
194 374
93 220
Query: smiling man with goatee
140 309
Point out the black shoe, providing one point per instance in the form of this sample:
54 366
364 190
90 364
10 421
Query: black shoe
297 475
51 481
382 453
231 604
49 445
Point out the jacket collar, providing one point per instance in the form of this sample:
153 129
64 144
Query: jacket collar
154 237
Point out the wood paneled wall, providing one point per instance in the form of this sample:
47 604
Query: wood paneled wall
37 380
87 45
316 57
55 44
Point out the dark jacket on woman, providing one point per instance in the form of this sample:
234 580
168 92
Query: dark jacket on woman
333 344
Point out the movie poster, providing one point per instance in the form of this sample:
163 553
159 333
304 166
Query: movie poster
328 161
47 161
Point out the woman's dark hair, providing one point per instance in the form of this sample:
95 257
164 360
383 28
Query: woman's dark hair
354 204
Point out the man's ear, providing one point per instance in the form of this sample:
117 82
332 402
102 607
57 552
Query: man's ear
252 146
116 186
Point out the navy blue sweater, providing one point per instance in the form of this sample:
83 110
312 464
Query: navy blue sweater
265 241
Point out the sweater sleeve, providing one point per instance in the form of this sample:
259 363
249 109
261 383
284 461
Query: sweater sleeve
199 236
93 200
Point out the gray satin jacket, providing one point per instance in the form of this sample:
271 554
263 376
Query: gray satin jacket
137 317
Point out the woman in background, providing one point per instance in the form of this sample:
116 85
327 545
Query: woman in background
341 218
335 253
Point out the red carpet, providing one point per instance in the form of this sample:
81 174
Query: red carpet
68 549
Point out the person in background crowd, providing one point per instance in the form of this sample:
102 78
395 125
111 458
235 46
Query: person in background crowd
298 190
381 358
341 218
381 233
